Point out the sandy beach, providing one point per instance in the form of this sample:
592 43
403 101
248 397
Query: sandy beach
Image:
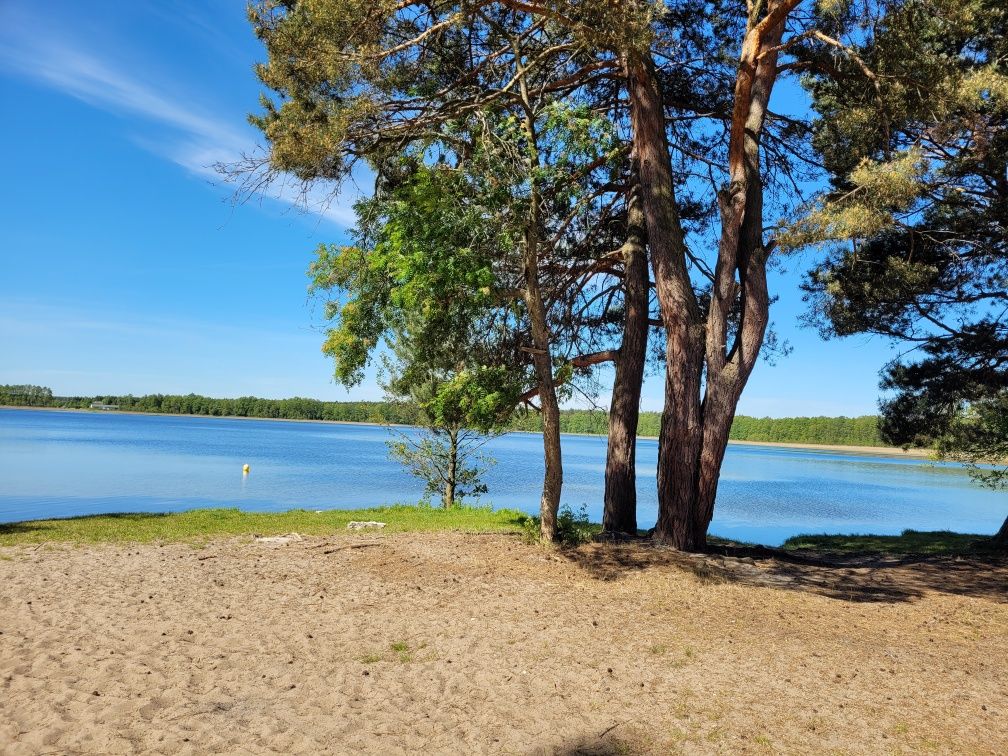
453 643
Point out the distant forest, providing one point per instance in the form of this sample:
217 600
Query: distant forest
844 431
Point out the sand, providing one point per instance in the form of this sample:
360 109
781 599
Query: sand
869 451
452 643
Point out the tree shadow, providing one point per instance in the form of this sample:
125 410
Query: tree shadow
589 747
859 577
12 528
623 738
35 526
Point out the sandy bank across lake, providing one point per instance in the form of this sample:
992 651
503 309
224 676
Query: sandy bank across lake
454 643
877 451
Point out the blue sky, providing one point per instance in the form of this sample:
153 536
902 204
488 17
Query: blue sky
125 268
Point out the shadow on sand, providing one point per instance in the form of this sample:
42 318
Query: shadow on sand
850 577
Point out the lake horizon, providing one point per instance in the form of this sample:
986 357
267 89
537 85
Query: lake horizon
57 463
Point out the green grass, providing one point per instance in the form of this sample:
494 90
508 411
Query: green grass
403 650
200 525
937 543
203 524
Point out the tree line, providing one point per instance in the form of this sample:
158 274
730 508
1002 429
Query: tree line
840 431
851 431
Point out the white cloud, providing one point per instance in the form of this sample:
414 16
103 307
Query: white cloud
185 133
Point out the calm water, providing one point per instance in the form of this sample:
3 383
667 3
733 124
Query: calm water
65 463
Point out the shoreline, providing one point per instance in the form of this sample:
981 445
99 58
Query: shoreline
880 451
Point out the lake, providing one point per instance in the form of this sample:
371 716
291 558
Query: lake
56 464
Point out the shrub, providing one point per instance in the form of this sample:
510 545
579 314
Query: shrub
572 529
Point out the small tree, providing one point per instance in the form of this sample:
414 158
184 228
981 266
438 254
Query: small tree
439 457
417 288
445 454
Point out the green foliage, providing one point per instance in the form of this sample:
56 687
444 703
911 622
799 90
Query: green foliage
842 431
25 396
420 288
422 268
879 191
913 129
466 167
296 408
978 437
447 461
572 529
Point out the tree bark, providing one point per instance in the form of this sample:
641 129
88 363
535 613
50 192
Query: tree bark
549 503
679 439
1000 539
694 433
542 355
448 499
620 504
741 251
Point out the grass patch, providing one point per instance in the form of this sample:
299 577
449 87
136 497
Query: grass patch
937 543
403 650
204 524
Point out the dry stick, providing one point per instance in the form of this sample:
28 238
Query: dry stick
609 729
353 546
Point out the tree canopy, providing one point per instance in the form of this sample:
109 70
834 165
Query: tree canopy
555 180
915 136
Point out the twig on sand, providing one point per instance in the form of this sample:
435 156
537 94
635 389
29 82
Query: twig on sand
609 729
353 546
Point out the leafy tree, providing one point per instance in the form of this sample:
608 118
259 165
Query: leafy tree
446 454
487 90
687 86
913 127
420 281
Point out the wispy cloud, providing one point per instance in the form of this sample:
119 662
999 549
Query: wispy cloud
174 126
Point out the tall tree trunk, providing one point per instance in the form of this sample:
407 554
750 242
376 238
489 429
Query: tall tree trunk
679 440
451 479
741 252
549 504
542 354
1000 538
620 508
694 434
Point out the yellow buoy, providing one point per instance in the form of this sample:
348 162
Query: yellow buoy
246 468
